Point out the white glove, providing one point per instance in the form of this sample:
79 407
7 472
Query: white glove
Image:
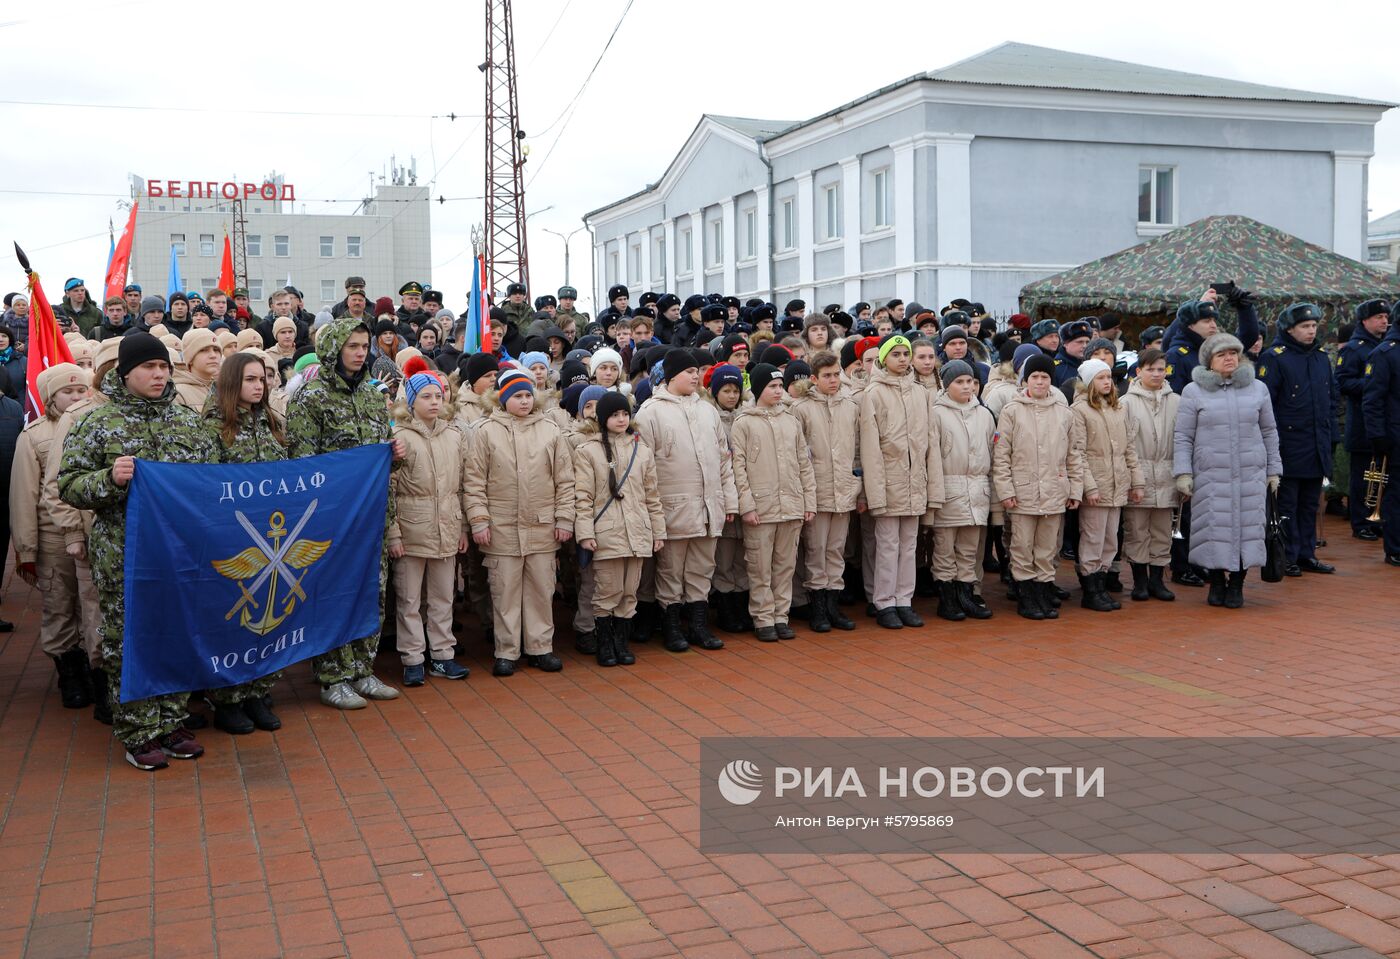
1185 484
1273 484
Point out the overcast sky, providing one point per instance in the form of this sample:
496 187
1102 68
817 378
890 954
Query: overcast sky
669 63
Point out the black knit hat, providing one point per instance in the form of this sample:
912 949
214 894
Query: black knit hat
385 326
848 352
775 354
951 333
476 366
573 372
612 403
138 348
1040 363
760 376
676 362
794 371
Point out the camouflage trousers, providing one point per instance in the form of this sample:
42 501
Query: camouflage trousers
354 660
139 722
232 695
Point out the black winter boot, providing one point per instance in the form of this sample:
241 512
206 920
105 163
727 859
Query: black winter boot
1216 596
833 610
1140 591
622 634
948 606
645 621
820 618
671 629
727 612
1046 599
923 582
969 603
1026 604
1234 589
700 634
72 679
587 643
1056 594
889 618
1155 587
1111 582
101 698
605 648
741 611
853 588
1095 597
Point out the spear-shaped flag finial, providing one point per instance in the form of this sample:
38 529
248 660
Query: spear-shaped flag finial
23 260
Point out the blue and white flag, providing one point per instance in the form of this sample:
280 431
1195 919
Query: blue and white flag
236 571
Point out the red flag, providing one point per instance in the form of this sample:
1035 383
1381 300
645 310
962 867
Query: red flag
47 347
121 260
486 339
226 280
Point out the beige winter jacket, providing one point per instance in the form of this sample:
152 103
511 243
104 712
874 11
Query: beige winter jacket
1034 459
1001 386
832 427
1110 463
73 523
29 520
903 473
733 529
429 489
191 391
520 483
694 470
631 524
772 466
965 432
1151 431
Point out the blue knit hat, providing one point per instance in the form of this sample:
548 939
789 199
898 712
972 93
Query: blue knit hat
528 360
590 394
511 382
416 383
723 375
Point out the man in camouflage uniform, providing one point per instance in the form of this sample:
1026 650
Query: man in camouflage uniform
140 420
518 311
567 296
339 410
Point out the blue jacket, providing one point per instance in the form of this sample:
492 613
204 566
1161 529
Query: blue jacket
1183 347
1380 397
1351 381
1066 368
1306 401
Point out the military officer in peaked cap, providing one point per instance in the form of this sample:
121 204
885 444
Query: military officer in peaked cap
411 303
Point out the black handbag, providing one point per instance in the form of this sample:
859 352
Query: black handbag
1274 561
585 556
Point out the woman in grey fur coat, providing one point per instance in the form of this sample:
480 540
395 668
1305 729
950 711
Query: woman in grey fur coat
1225 453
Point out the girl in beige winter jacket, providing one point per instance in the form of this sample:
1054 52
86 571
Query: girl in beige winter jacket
1037 475
1147 526
731 580
202 359
428 531
1112 479
618 518
831 422
777 494
965 432
520 506
902 476
67 627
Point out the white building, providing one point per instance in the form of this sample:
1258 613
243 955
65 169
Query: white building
1383 243
386 239
977 178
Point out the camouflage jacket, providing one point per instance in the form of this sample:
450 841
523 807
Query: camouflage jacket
127 425
329 414
255 442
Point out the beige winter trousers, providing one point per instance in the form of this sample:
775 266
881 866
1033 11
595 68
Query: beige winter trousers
1035 541
955 553
684 569
1147 535
896 538
1098 537
770 552
615 586
522 591
824 548
415 576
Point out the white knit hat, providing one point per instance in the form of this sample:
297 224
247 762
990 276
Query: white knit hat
1092 368
605 355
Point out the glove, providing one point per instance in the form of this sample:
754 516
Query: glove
1382 446
1185 484
1273 484
1238 298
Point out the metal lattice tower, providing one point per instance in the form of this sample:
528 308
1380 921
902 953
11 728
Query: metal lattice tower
240 247
506 257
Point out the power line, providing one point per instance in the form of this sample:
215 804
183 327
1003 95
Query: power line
545 42
276 113
355 200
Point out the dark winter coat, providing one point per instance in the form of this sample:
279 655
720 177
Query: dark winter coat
1352 358
1305 399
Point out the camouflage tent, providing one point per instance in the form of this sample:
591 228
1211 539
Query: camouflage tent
1146 283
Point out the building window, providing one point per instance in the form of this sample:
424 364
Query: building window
207 283
880 196
750 233
177 241
634 268
328 291
328 246
352 246
789 224
1157 195
255 294
716 243
689 258
831 198
658 264
206 244
253 244
1378 254
281 246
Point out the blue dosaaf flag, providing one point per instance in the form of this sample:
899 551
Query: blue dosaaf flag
236 571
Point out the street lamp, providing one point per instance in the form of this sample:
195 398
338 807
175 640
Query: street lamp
565 238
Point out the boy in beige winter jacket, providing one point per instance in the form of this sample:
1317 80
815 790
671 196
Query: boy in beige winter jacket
428 530
696 477
731 581
520 505
831 422
777 494
1036 474
965 432
67 624
1147 526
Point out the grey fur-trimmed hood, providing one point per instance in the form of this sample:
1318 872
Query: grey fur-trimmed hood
1211 381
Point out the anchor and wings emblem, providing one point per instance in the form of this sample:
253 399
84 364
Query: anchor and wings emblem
271 560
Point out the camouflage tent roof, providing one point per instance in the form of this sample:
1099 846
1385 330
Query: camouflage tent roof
1153 278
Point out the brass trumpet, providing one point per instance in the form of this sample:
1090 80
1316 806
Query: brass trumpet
1375 487
1176 523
